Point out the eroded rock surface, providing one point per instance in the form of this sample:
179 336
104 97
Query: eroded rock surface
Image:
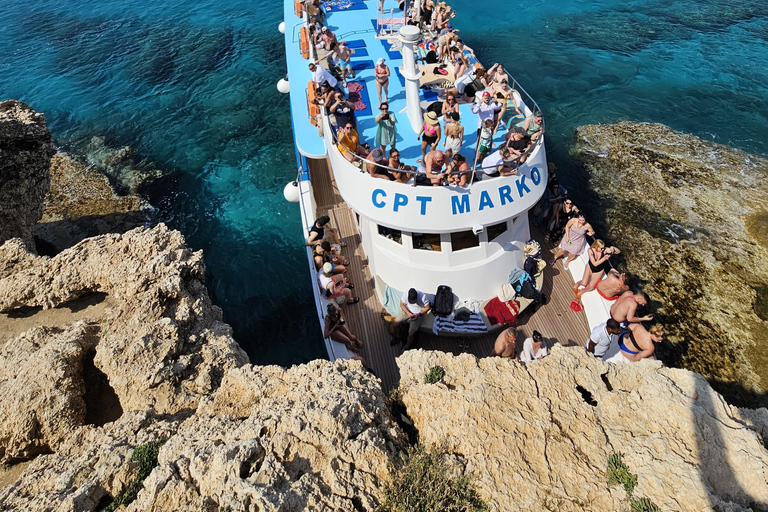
25 155
539 435
692 220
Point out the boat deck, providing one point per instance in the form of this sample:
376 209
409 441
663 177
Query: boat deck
555 320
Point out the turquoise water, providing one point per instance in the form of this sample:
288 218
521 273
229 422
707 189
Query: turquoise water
191 86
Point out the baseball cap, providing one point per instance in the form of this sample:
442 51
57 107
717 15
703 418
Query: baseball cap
327 267
486 93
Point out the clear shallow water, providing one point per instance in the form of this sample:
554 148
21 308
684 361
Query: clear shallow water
191 85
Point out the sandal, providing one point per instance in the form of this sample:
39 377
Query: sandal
345 262
343 243
354 301
351 286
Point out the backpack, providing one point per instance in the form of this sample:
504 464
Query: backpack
529 291
531 266
443 301
431 57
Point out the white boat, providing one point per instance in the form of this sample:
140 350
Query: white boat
468 238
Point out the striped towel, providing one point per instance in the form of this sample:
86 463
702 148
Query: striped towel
474 325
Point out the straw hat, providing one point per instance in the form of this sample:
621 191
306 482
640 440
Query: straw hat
431 118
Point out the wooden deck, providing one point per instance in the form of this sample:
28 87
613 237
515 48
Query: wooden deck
555 320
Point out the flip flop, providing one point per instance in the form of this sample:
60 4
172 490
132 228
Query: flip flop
351 286
345 262
343 243
354 301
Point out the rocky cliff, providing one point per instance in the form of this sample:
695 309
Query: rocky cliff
691 218
25 155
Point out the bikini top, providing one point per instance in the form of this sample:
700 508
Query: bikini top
428 128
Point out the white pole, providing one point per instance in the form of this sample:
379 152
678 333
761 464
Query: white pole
409 35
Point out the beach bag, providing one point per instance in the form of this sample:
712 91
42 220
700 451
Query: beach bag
529 291
443 301
421 180
531 267
431 57
462 315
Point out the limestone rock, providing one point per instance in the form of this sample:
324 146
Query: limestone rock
162 343
539 435
42 389
81 203
25 154
690 217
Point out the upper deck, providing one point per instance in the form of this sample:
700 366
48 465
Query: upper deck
392 204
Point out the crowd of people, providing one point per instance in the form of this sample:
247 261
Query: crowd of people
493 103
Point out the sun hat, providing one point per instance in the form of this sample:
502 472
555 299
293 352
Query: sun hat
380 61
431 118
327 267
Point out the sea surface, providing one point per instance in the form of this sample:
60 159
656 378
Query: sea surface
191 86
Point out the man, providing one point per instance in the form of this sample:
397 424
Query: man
623 310
499 163
335 285
329 38
343 55
324 253
602 337
637 343
485 109
534 348
320 75
505 344
433 165
413 306
378 169
613 285
320 231
518 143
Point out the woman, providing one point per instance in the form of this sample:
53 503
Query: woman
386 131
562 215
459 172
510 112
430 134
395 163
574 240
454 133
598 265
497 73
381 71
460 65
449 105
337 330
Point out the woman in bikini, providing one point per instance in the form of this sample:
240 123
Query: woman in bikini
449 105
459 172
497 73
598 265
382 78
574 240
395 163
430 134
336 329
454 133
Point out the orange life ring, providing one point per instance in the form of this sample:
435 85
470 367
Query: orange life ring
304 42
312 107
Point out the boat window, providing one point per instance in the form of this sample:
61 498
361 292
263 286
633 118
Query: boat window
426 241
464 240
393 234
496 231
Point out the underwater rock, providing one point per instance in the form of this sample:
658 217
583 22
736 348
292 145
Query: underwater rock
691 218
539 435
122 165
25 155
80 204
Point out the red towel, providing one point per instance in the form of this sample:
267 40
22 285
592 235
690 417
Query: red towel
354 89
498 312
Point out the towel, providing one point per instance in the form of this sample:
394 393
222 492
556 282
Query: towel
474 325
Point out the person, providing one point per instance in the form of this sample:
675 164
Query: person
395 163
430 134
557 227
320 231
323 253
329 39
413 306
386 129
598 265
518 143
574 240
381 72
377 168
505 344
553 194
510 112
498 163
471 83
534 348
433 167
450 105
349 144
454 132
497 73
533 125
624 310
335 285
444 43
460 65
320 75
427 8
602 337
613 285
485 140
637 343
343 110
459 171
485 109
343 54
336 329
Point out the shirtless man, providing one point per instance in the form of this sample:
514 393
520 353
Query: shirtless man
432 166
637 343
613 285
505 344
624 309
343 54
